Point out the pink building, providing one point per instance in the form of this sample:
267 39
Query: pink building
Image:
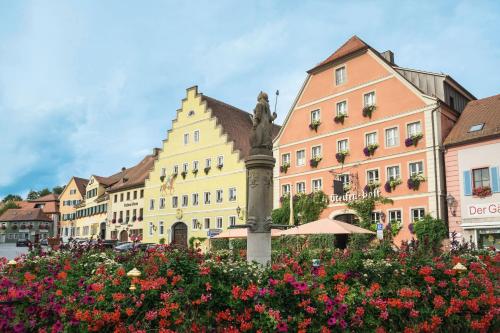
375 126
472 173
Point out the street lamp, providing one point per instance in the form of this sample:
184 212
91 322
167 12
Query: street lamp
240 212
452 204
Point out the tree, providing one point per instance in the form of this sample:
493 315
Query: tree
12 197
32 195
306 208
43 192
430 232
58 189
8 205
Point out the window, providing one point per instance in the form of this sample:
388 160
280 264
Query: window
195 199
127 216
135 195
195 165
151 228
185 199
218 195
219 223
315 116
206 197
232 220
413 129
163 172
186 138
162 203
391 137
141 211
375 217
196 136
142 194
480 178
341 108
191 113
369 98
395 216
285 189
417 214
301 157
128 196
220 161
208 163
452 102
372 176
161 228
207 223
116 198
121 197
342 145
316 151
176 169
301 187
344 179
393 173
232 194
285 159
416 168
371 138
340 75
476 127
151 204
175 201
317 185
196 224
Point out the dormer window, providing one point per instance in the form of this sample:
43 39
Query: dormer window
476 127
191 113
340 76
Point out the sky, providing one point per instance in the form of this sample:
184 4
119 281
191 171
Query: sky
90 86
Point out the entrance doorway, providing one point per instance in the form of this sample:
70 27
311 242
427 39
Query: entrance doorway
102 233
179 234
123 236
341 240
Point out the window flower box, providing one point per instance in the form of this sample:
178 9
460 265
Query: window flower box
162 178
339 119
30 226
284 167
341 155
482 192
370 149
206 170
23 226
414 181
174 174
315 161
368 110
184 174
314 125
347 187
120 220
113 221
14 227
195 172
139 218
134 218
413 140
371 186
219 166
3 227
395 226
391 185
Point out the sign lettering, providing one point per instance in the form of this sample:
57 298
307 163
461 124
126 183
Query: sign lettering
334 198
484 210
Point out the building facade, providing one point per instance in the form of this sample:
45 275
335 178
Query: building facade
377 127
25 223
71 196
126 202
197 187
49 204
472 174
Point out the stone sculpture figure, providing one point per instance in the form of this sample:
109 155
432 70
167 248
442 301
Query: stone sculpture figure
261 138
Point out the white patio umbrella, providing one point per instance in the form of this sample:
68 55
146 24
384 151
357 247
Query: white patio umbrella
325 226
240 233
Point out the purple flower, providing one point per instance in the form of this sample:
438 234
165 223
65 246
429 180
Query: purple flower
343 324
343 308
411 227
387 187
57 327
282 327
88 299
366 151
409 142
332 321
367 189
19 327
411 184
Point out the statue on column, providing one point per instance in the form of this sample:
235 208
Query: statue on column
261 138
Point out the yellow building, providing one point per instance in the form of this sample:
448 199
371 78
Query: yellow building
197 187
71 196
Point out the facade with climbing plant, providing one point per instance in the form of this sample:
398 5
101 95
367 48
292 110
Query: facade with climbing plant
375 126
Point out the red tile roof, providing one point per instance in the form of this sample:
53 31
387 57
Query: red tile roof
134 176
24 214
352 45
482 111
81 184
46 198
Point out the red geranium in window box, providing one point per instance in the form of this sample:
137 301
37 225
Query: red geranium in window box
482 192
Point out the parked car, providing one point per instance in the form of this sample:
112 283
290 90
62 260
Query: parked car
22 242
125 247
44 242
109 243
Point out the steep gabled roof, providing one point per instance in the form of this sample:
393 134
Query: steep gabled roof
46 198
108 181
24 214
134 176
81 184
484 111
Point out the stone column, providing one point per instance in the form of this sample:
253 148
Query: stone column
259 207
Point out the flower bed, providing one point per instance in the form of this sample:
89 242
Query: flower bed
370 291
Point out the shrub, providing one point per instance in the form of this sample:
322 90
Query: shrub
430 232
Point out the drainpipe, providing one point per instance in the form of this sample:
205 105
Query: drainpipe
436 182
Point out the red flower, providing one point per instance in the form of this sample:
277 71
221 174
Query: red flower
426 270
438 302
430 279
282 327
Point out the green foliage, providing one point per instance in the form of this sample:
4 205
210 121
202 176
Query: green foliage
219 244
162 240
8 205
32 195
58 189
12 197
430 232
43 192
194 240
306 208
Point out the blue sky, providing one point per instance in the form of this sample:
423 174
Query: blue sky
87 87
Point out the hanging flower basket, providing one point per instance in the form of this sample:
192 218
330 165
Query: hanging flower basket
339 119
368 110
30 226
284 167
347 187
370 149
120 220
394 226
174 174
195 172
14 227
162 178
482 192
391 185
315 161
134 218
219 166
341 155
207 170
411 227
413 140
314 125
3 227
184 174
414 181
23 226
113 221
371 186
139 218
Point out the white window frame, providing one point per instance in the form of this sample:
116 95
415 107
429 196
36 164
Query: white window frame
371 134
297 187
298 159
396 137
161 228
207 198
285 189
369 171
231 219
219 196
412 209
421 171
233 194
194 224
390 211
151 204
205 223
186 138
341 142
161 204
372 101
196 136
176 169
313 187
340 80
195 197
195 165
220 160
217 220
185 200
411 131
338 109
315 115
286 158
316 151
208 162
150 228
175 201
185 167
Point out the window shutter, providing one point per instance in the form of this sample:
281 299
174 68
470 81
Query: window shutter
467 183
495 184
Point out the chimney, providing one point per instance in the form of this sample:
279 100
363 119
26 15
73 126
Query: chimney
389 56
156 151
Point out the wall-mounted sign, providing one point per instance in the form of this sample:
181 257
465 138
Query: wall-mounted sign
354 196
484 210
129 204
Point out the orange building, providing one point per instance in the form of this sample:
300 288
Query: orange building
375 126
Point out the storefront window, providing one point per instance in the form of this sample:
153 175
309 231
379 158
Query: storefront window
489 238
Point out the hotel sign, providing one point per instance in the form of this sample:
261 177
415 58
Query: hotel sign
484 210
348 197
129 204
